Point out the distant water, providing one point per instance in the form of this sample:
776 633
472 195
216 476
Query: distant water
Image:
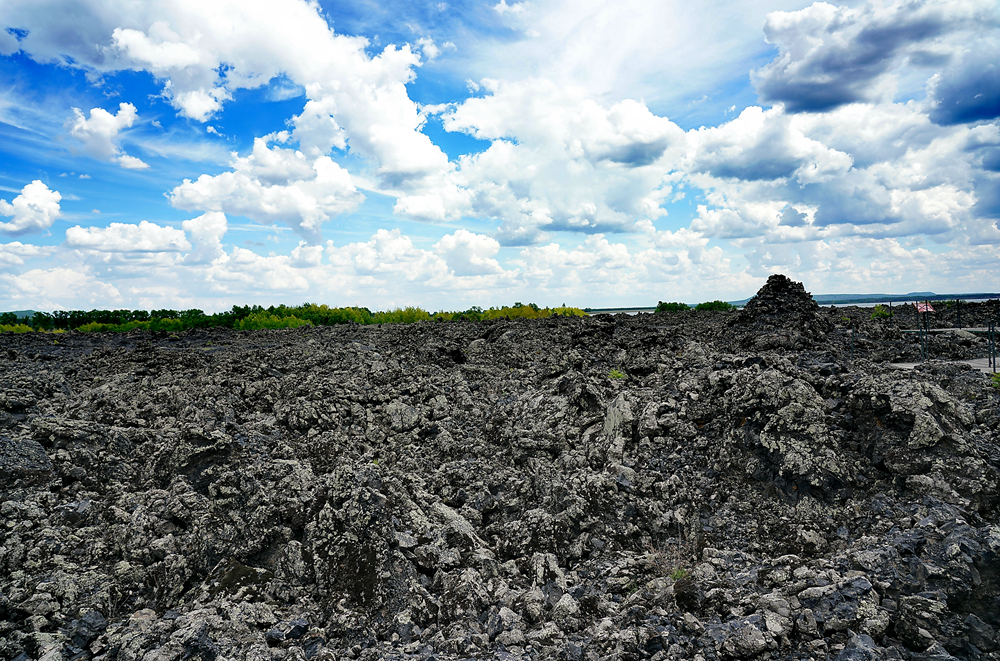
868 304
896 304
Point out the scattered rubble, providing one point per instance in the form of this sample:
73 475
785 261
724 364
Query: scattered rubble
491 490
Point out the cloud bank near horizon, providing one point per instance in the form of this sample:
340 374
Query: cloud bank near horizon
870 159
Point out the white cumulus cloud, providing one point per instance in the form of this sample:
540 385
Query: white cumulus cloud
559 161
99 134
274 184
15 252
57 288
467 253
207 231
831 56
204 52
35 209
125 238
517 8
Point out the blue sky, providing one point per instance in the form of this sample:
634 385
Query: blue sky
447 154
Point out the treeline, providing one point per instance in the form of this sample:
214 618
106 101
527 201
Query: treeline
715 306
256 317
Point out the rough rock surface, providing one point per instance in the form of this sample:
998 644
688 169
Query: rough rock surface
782 315
493 491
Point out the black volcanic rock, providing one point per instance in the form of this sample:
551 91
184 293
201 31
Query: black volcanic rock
779 301
22 461
600 488
781 315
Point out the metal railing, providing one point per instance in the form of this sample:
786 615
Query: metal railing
993 347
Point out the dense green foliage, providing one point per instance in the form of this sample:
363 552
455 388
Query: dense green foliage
531 311
717 306
672 307
720 306
256 317
260 320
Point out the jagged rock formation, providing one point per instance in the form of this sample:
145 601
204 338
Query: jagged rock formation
783 315
494 490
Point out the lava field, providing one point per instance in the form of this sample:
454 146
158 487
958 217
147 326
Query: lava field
758 484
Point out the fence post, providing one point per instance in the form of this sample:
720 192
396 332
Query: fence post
852 340
920 335
993 348
958 304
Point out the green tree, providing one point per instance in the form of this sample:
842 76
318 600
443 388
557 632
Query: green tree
672 307
715 306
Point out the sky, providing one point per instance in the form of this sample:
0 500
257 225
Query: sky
209 153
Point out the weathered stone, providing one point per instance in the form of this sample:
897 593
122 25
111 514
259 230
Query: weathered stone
23 461
379 493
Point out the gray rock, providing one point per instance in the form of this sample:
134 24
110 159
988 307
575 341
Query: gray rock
23 462
379 493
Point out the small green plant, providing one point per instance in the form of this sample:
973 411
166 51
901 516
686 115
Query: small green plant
617 374
715 306
996 381
881 312
672 559
672 307
846 320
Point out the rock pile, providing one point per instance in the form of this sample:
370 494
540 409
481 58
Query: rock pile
493 490
783 315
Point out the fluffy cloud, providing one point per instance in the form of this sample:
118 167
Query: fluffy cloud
688 270
469 254
160 51
431 50
100 134
35 209
205 52
274 184
56 288
207 231
837 178
388 252
245 270
132 163
15 252
765 145
558 161
831 56
517 8
874 170
125 238
969 90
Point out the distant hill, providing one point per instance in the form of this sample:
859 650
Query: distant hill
24 314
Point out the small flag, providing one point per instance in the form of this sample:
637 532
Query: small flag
924 307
